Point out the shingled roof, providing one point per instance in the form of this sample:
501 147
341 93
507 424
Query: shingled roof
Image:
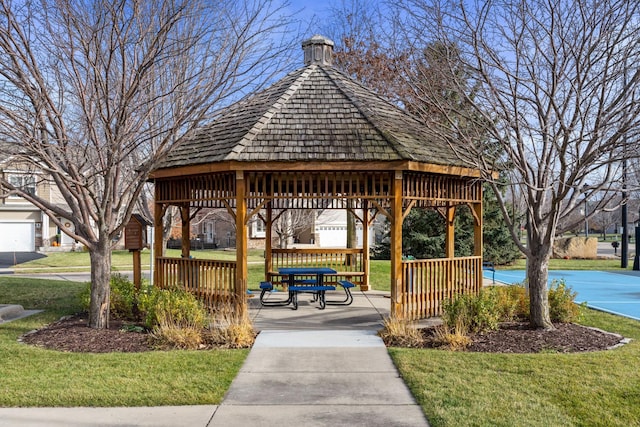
316 113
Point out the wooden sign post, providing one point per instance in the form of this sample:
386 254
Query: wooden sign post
135 239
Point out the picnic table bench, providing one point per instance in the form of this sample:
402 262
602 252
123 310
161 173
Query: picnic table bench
308 286
318 292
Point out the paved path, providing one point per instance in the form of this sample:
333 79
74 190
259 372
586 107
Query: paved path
318 378
308 367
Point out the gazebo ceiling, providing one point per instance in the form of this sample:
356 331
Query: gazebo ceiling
314 114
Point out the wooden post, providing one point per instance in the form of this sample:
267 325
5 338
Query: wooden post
477 241
396 245
449 241
158 240
186 230
137 268
135 238
477 229
268 256
241 245
365 245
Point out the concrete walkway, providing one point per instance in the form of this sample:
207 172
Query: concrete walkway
318 378
308 367
316 367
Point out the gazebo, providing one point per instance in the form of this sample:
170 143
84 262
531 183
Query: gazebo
317 139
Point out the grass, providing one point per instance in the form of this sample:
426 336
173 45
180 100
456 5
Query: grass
121 260
480 389
571 264
453 388
34 377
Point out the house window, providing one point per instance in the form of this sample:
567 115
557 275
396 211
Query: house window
258 229
26 183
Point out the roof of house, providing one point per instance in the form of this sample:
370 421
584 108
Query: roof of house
315 113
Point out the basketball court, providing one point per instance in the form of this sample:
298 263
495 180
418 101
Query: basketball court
613 292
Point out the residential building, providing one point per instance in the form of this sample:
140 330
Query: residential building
23 226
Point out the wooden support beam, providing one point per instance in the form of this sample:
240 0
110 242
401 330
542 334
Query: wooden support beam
242 236
382 210
186 230
477 229
408 210
137 268
396 246
158 241
268 256
365 246
449 240
229 208
256 210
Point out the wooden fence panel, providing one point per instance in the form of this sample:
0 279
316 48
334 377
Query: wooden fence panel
210 280
427 283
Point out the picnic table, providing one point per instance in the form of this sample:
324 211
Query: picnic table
305 279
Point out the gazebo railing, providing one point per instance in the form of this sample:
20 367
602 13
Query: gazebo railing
427 283
349 263
210 280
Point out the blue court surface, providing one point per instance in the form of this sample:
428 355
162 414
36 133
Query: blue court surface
613 292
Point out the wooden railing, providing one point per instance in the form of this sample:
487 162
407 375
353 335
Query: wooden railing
211 281
427 283
349 263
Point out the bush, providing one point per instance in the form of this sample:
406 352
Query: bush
177 306
513 302
179 319
562 306
171 335
401 333
453 338
123 298
147 299
230 330
472 313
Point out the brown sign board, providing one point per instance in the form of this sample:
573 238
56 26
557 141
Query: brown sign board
135 233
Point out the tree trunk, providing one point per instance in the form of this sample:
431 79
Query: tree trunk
100 284
538 275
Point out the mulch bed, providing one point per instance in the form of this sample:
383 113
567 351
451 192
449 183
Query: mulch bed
519 337
566 338
73 335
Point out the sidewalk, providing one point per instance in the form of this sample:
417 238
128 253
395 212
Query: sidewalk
308 367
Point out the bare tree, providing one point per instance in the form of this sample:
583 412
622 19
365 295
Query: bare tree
364 46
553 91
289 223
95 93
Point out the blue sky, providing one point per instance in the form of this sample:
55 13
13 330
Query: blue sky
311 7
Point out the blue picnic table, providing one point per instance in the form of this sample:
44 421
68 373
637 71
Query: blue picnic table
301 279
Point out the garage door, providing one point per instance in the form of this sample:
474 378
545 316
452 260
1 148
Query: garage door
17 237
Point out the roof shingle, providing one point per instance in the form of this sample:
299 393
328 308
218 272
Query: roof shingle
315 113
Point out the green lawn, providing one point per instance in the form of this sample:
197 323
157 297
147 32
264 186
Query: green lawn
37 377
121 260
571 264
453 388
580 389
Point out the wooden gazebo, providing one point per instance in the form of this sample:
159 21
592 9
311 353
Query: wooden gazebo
319 139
